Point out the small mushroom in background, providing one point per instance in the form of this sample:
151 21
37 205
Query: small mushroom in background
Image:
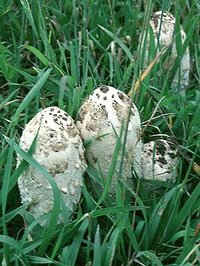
159 160
100 120
163 25
60 151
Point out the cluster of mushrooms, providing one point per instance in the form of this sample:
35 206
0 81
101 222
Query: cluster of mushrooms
107 117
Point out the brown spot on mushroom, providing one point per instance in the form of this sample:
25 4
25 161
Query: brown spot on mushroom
104 89
162 160
120 95
172 155
161 148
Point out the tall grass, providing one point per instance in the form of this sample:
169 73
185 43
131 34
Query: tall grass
56 53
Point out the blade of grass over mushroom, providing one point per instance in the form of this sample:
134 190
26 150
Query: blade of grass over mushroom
32 93
119 41
112 167
56 193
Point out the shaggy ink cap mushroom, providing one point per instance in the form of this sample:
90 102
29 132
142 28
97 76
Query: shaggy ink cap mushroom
101 118
163 26
60 151
159 161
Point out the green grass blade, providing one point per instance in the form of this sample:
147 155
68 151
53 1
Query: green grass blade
32 93
38 54
97 248
151 257
75 246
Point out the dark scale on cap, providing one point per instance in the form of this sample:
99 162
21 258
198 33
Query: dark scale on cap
172 155
105 98
113 96
51 109
104 89
79 118
155 20
64 118
56 121
161 149
172 146
162 160
120 95
97 95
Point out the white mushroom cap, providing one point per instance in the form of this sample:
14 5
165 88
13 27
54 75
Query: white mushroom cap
159 161
101 118
163 24
60 150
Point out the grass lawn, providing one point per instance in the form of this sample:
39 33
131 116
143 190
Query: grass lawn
56 52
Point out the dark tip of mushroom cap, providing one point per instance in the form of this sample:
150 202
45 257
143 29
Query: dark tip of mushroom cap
104 89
